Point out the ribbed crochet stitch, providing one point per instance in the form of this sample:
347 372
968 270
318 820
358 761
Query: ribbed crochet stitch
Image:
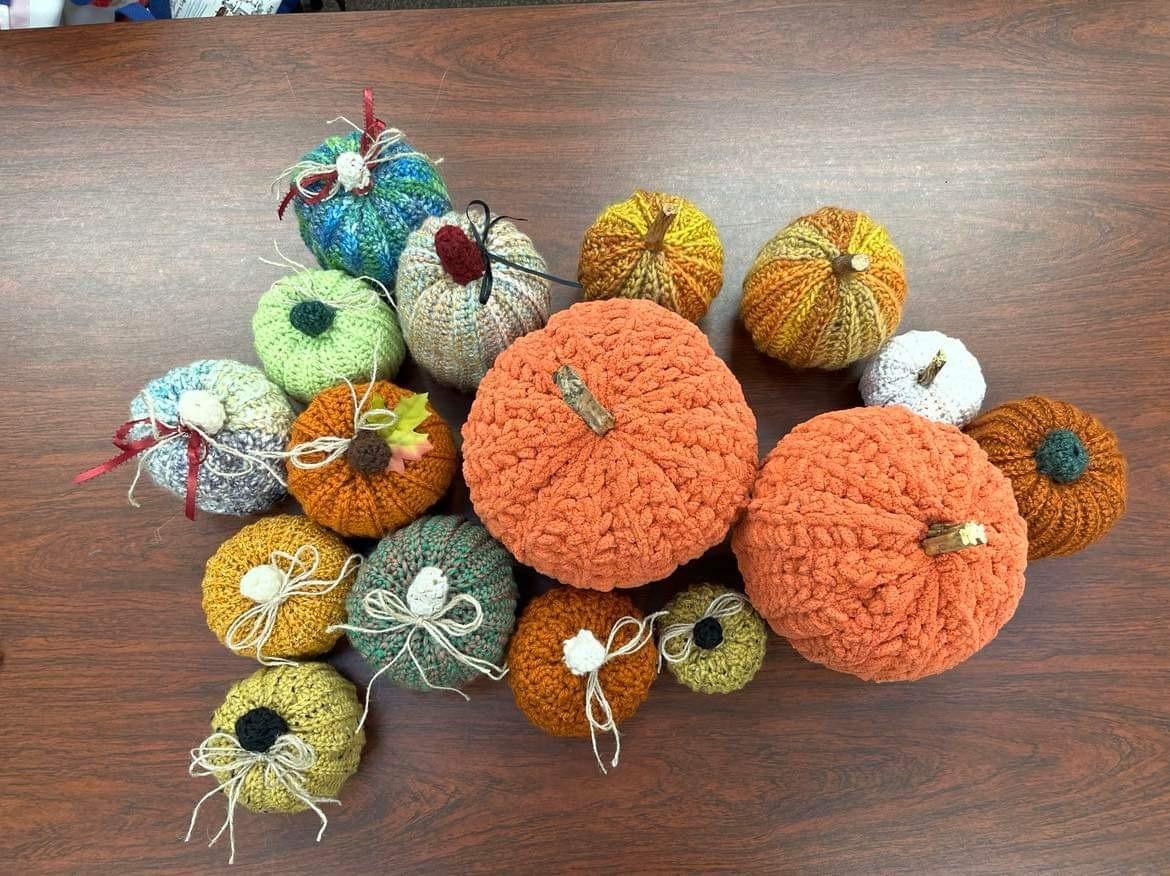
470 562
628 506
449 331
727 665
933 375
550 695
313 328
824 292
655 246
1066 468
301 620
832 545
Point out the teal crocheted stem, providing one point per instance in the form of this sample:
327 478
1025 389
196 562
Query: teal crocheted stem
1062 456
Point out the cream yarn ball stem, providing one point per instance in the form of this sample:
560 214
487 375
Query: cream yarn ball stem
588 661
254 626
723 605
285 764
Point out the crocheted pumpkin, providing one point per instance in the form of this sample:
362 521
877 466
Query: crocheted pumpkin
454 321
824 292
654 246
712 639
359 485
276 586
438 581
561 638
882 544
929 373
1066 468
358 195
315 328
609 447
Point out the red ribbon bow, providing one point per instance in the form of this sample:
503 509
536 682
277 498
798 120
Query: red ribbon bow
327 179
196 454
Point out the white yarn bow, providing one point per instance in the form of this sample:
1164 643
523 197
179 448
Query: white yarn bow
332 447
595 695
284 763
723 605
253 627
388 606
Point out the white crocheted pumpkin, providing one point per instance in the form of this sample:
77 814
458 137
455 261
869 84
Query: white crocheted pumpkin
454 322
930 373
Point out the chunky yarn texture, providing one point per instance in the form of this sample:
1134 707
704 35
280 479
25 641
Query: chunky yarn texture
1066 468
301 621
658 488
250 415
350 501
314 328
654 246
715 668
931 374
832 545
549 694
449 331
317 705
470 562
363 234
824 292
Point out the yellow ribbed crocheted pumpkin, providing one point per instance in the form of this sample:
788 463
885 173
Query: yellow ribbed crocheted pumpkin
826 291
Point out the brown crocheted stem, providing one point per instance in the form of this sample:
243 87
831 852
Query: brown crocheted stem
927 375
850 263
577 396
945 538
656 233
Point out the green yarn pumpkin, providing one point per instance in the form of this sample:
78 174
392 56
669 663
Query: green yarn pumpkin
406 566
313 328
720 653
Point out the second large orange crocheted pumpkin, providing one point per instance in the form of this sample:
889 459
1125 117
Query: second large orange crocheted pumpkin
610 446
882 544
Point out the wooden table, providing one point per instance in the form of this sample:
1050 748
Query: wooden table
1018 153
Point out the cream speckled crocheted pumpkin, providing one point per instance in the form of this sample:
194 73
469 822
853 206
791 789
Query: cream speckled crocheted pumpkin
931 374
454 325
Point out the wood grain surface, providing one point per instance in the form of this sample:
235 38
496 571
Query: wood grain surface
1019 154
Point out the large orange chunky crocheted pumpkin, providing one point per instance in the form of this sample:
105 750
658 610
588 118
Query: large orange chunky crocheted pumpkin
882 544
610 446
355 483
1065 467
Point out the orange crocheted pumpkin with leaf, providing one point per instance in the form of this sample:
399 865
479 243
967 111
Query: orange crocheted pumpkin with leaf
610 446
882 544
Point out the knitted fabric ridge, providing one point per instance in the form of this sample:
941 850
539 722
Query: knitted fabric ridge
802 312
1062 517
954 394
624 508
320 707
546 691
830 546
735 661
450 333
301 621
683 273
473 563
359 332
257 420
351 502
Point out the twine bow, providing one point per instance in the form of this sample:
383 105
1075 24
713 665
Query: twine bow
324 449
316 181
595 698
253 627
396 615
481 241
723 605
285 763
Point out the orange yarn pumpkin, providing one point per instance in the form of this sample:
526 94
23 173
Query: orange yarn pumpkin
609 447
1065 467
850 548
353 502
546 690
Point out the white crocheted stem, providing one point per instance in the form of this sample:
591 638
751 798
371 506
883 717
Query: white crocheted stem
927 375
577 396
850 263
656 233
945 538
